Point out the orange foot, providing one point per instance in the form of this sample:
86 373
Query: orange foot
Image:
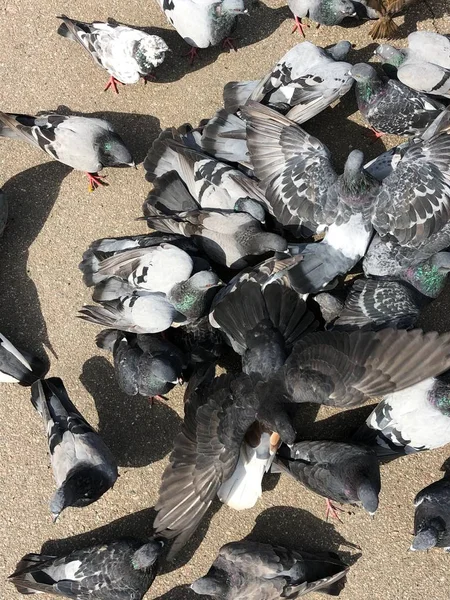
332 510
157 398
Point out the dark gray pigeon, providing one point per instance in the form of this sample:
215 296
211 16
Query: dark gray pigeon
203 24
432 517
83 466
3 211
258 571
389 106
338 471
83 143
307 77
18 366
117 570
409 421
126 53
148 365
322 12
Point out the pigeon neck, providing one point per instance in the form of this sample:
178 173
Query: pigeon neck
427 278
439 396
368 88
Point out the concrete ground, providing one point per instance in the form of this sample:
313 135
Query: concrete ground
53 219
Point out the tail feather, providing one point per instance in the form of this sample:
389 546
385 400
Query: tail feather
111 289
19 366
163 223
385 27
236 93
169 196
162 158
107 315
69 28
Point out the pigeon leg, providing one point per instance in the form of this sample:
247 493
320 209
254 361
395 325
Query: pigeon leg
149 77
95 180
157 398
332 510
373 133
112 83
227 44
192 54
299 26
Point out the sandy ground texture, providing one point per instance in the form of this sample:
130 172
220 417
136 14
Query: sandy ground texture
53 219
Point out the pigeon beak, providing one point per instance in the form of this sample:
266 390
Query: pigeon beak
180 381
132 164
55 517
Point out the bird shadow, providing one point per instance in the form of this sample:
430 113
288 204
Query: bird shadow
295 528
31 195
137 131
261 23
181 592
153 427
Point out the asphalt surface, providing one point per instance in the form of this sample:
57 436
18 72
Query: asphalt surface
53 219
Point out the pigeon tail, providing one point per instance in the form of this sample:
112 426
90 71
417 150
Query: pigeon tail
224 137
107 339
19 366
169 196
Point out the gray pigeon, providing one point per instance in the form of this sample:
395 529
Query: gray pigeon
3 211
338 471
120 569
323 12
126 53
417 74
148 365
409 421
18 366
83 143
83 466
203 24
258 571
432 517
389 106
225 138
307 77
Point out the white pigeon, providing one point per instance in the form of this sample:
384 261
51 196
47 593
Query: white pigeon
126 53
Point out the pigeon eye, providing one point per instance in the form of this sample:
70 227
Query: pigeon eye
107 146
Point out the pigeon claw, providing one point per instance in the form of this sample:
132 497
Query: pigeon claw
299 27
95 180
332 510
192 54
228 44
112 83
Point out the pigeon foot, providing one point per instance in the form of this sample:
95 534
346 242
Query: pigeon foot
192 54
157 398
332 510
95 180
112 83
228 44
299 26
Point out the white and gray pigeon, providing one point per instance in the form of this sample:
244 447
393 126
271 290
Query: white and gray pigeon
124 568
323 12
259 571
83 467
203 23
409 421
307 77
18 366
126 53
149 365
83 143
389 106
416 73
432 516
146 289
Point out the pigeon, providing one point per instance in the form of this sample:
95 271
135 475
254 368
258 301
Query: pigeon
107 247
203 24
323 12
430 46
123 568
126 53
432 517
330 305
3 211
338 471
417 74
223 136
220 414
383 11
83 143
229 238
83 466
346 369
18 366
389 106
410 420
307 77
255 571
148 365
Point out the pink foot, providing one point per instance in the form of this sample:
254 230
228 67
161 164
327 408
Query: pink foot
192 54
112 83
95 181
332 510
374 134
299 26
157 398
227 44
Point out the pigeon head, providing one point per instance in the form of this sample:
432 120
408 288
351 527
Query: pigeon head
425 539
390 55
266 242
363 73
211 585
251 207
193 297
345 8
358 186
145 557
340 50
234 7
161 370
80 488
112 151
149 52
368 496
430 276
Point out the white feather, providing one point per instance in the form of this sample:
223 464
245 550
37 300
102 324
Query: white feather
351 238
